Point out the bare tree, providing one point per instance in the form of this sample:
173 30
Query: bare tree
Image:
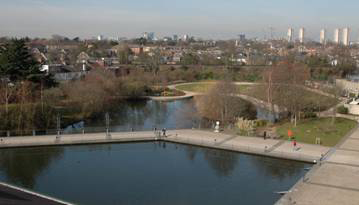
284 83
268 80
25 107
336 90
221 103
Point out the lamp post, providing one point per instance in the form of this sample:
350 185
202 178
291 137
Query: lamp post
58 125
107 117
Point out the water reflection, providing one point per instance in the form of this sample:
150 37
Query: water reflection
222 162
23 166
144 115
191 152
279 169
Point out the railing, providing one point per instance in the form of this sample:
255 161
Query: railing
82 130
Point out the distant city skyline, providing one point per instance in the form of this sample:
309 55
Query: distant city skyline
209 19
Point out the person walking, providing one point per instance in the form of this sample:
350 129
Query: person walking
295 144
164 132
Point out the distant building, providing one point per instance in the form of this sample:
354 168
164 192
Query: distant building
301 35
135 49
150 36
322 36
82 57
337 36
346 36
39 56
145 35
100 38
290 34
185 37
175 37
242 37
167 39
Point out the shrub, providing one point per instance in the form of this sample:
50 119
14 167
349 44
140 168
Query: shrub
261 123
310 115
342 110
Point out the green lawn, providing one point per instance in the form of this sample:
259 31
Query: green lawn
309 99
204 87
307 131
195 87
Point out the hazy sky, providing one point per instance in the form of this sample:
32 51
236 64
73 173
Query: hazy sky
202 18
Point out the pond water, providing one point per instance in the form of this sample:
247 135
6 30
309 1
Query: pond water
148 114
149 173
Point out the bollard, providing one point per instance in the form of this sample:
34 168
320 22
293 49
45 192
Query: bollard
33 133
8 133
83 131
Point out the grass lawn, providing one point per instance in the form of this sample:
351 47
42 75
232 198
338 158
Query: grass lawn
309 99
204 87
195 87
307 131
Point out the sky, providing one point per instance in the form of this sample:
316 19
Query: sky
209 19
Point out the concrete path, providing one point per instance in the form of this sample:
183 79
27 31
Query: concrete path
87 138
334 182
253 145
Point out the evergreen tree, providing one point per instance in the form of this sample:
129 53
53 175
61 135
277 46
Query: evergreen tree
17 63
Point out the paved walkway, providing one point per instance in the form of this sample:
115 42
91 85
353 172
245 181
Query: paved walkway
254 145
87 138
334 182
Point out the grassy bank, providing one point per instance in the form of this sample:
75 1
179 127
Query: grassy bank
310 100
307 131
195 87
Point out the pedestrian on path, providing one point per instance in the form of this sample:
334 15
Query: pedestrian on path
164 132
294 144
265 135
